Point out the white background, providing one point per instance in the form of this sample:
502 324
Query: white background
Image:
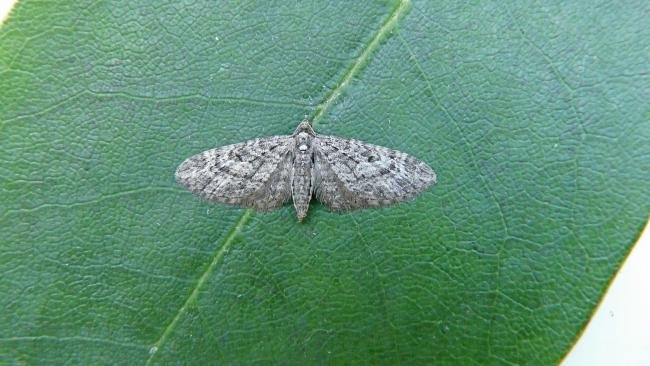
619 332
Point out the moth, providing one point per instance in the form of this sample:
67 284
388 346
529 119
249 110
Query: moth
342 173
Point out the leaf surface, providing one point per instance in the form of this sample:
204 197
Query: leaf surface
534 116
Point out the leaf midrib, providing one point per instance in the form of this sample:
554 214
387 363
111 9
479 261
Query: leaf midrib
386 27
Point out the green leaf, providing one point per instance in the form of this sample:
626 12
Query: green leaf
534 116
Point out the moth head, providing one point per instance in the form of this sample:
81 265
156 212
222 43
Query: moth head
305 127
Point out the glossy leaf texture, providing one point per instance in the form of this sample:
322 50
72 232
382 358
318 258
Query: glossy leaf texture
534 115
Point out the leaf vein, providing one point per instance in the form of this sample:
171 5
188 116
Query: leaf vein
497 292
216 259
69 339
361 60
230 100
91 201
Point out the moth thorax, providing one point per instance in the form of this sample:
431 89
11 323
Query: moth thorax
303 141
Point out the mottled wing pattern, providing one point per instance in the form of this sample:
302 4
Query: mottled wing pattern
254 173
352 174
